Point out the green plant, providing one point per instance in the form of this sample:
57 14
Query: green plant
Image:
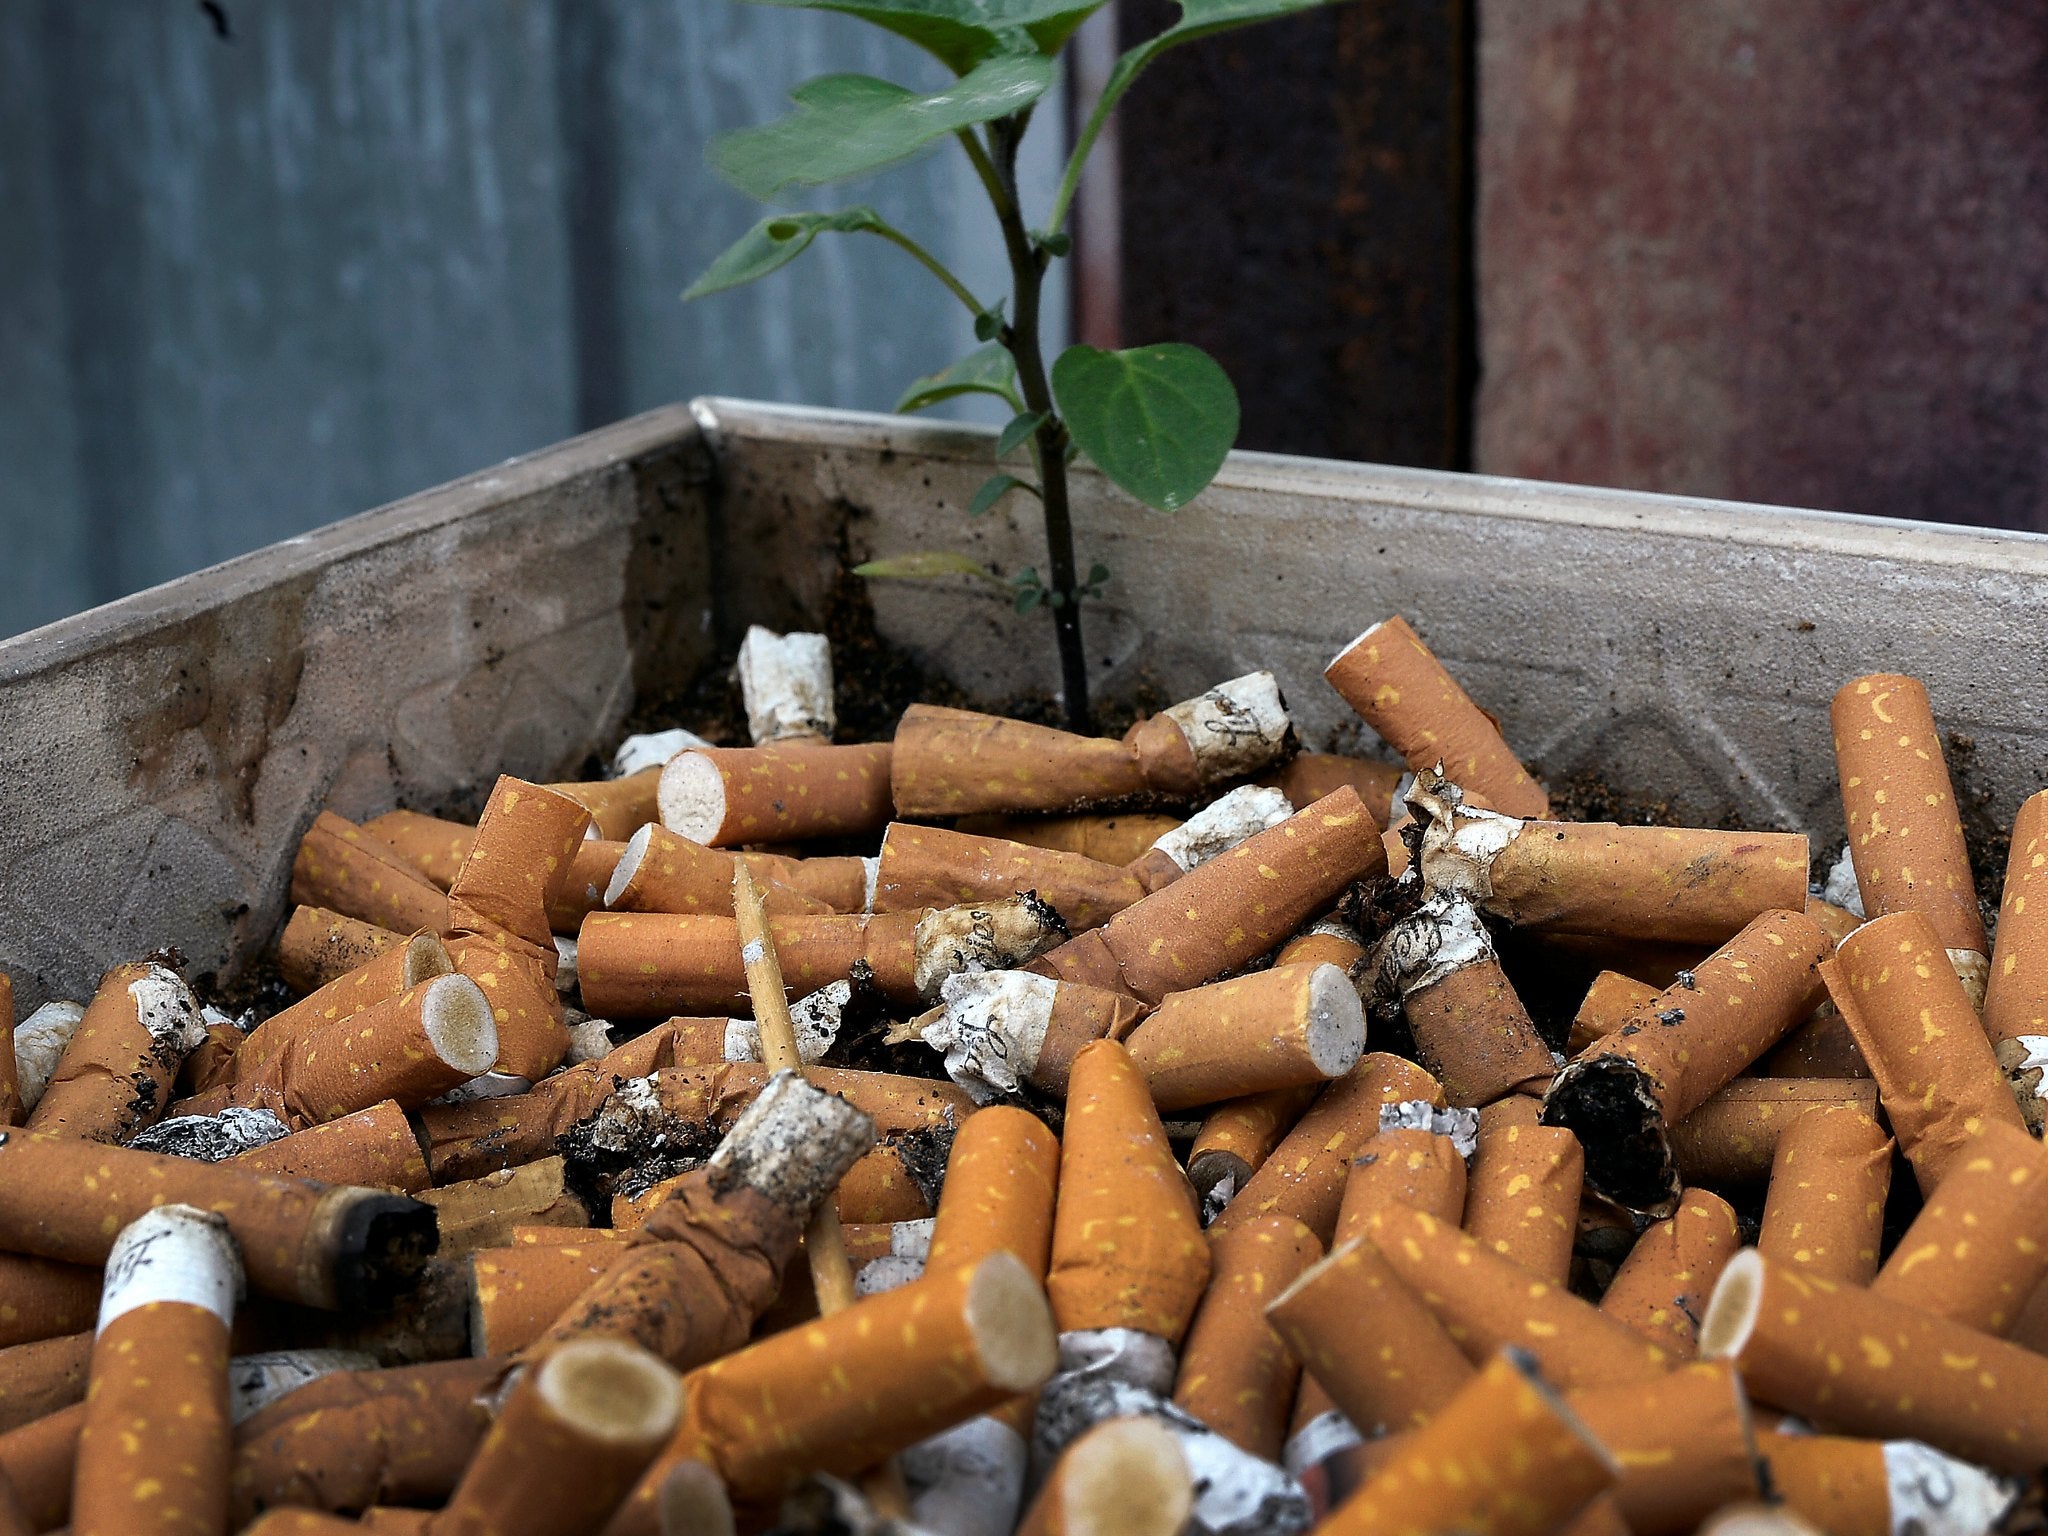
1157 420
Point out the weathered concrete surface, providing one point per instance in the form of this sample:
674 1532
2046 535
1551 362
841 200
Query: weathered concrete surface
1779 250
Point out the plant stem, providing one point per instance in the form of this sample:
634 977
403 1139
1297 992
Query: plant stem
931 263
1027 270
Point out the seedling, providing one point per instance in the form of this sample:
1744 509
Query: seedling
1157 420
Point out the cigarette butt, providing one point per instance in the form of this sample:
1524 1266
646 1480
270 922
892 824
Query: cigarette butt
1505 1456
1211 832
1850 1487
1304 1178
786 682
383 976
1423 1169
723 796
1935 1071
39 1044
650 965
630 1211
1733 1138
324 1246
44 1299
1368 1342
1279 1028
299 1522
1822 1046
38 1459
433 845
1652 962
692 1501
1127 1248
2016 990
1324 942
999 1191
1623 1093
1825 1211
1003 1029
345 869
618 807
997 935
1238 906
42 1378
356 1439
1975 1253
1522 1199
481 1213
1112 839
1237 1138
1683 1442
1866 1365
317 946
1661 1288
1236 1375
526 1007
1308 776
1608 1004
1124 1477
598 1409
517 1292
883 1187
525 844
1905 829
592 865
930 867
376 1148
1488 1303
1393 680
211 1063
115 1075
657 871
154 1450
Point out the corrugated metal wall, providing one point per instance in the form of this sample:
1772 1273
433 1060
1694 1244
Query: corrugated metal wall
252 284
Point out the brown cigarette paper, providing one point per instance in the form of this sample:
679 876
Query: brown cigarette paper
1522 1197
375 1147
1683 1443
115 1075
345 869
1822 1046
1308 776
524 847
433 845
1608 1004
1882 1488
645 965
658 871
1000 1030
1623 1093
1278 1028
38 1459
581 890
1979 1247
2016 991
1661 1288
930 867
484 1212
1829 1179
1108 839
999 1191
1236 1375
378 979
42 1378
1733 1137
1124 1477
43 1299
1215 829
723 796
318 946
1237 1138
618 807
518 1291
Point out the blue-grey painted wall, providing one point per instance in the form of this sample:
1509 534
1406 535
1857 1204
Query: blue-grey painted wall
250 285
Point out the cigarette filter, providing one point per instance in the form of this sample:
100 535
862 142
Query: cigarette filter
1504 1456
211 1063
786 681
38 1460
376 1148
1608 1004
2016 993
1394 681
1115 839
658 871
1215 829
43 1378
1278 1028
1231 910
115 1076
1905 830
341 867
1882 1488
1733 1137
1368 1342
1487 1303
1124 1477
432 845
1662 1287
1866 1365
999 1191
1822 1046
153 1451
319 1245
1323 942
1236 1375
1829 1179
724 796
1979 1247
992 936
519 861
356 1439
595 1409
1305 1176
931 867
517 1292
484 1212
650 965
1237 1138
1623 1093
618 807
1308 776
44 1299
1522 1199
580 891
1127 1250
1683 1443
1471 1030
1934 1067
383 976
1003 1029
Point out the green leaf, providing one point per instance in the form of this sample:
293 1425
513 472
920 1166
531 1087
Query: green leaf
1203 18
994 489
926 563
1098 573
1156 420
1019 431
964 32
849 125
986 370
775 242
988 325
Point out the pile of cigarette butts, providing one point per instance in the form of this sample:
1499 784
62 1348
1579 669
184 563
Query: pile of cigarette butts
1151 1137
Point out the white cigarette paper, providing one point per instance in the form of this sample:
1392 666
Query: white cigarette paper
1222 824
173 1253
786 682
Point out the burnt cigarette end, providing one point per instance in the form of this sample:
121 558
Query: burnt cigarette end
1610 1104
377 1244
1732 1310
793 1144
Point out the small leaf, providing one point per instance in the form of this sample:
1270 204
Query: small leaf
1157 420
988 325
993 490
1059 244
986 370
773 243
1029 598
1098 573
926 563
964 32
1019 431
850 125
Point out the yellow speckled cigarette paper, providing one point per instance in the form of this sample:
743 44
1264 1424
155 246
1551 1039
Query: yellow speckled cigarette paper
1522 1198
379 979
1278 1028
640 965
115 1075
317 946
1935 1070
2016 993
1396 683
1608 1004
618 807
1683 1442
1236 1375
1905 829
674 874
1237 1138
524 845
932 867
1662 1287
1825 1210
432 845
1000 1184
38 1459
1127 1249
375 1147
954 762
1309 776
1113 839
1487 1303
45 1299
1505 1457
341 867
1979 1246
1733 1137
794 792
1840 1484
517 1292
41 1378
